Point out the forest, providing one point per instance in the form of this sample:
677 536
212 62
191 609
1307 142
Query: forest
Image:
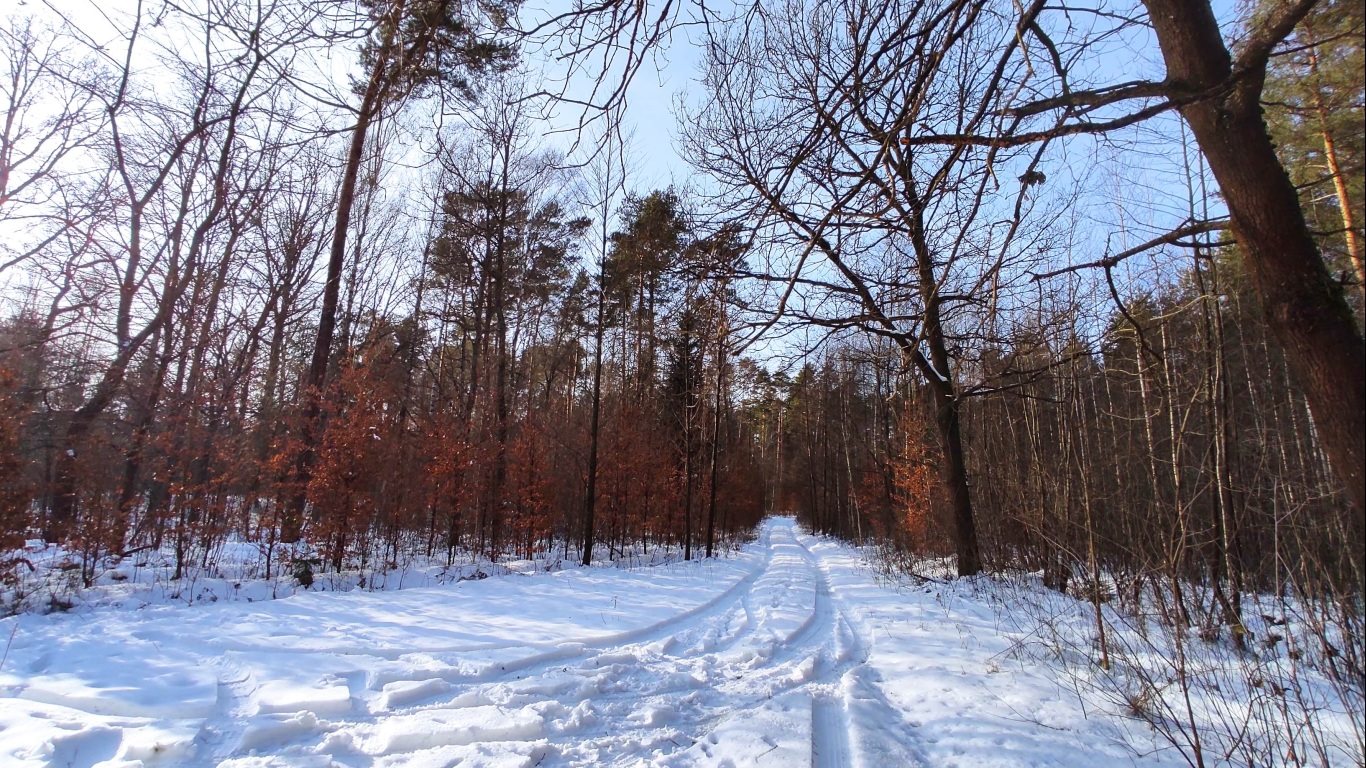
359 281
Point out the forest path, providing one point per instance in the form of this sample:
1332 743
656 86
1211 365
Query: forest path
790 652
763 673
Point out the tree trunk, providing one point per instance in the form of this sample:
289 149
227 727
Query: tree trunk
953 468
594 427
63 514
292 521
716 434
1304 307
1330 157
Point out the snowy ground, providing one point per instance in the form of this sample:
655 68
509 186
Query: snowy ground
790 653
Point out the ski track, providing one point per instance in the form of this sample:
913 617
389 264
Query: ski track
772 662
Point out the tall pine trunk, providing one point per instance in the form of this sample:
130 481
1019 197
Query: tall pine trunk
292 520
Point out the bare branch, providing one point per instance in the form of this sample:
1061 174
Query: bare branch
1170 238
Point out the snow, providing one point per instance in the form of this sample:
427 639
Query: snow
232 571
792 652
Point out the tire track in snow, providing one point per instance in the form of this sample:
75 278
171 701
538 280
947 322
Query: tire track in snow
220 735
777 651
656 691
549 656
675 712
764 685
524 700
829 733
659 631
868 716
775 664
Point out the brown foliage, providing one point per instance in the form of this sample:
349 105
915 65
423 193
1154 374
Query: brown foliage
15 518
919 496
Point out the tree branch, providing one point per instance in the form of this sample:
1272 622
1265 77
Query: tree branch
1171 238
1273 29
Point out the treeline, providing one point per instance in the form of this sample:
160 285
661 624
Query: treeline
234 307
224 322
1164 446
464 424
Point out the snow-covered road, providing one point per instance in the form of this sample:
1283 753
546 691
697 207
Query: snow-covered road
789 654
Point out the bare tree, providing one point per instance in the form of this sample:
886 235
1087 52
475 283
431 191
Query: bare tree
49 124
1217 92
169 169
1304 306
411 46
605 182
806 125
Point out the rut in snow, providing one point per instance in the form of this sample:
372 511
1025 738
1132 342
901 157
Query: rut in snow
788 653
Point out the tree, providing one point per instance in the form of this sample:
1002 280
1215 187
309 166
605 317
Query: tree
1304 306
682 389
717 257
605 182
1218 95
807 126
183 160
49 117
1314 108
14 493
413 46
645 254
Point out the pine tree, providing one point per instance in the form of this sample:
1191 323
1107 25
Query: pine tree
414 46
1315 103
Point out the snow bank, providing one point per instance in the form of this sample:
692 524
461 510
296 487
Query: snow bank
793 652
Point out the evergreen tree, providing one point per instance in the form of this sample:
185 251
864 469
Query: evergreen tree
1315 98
